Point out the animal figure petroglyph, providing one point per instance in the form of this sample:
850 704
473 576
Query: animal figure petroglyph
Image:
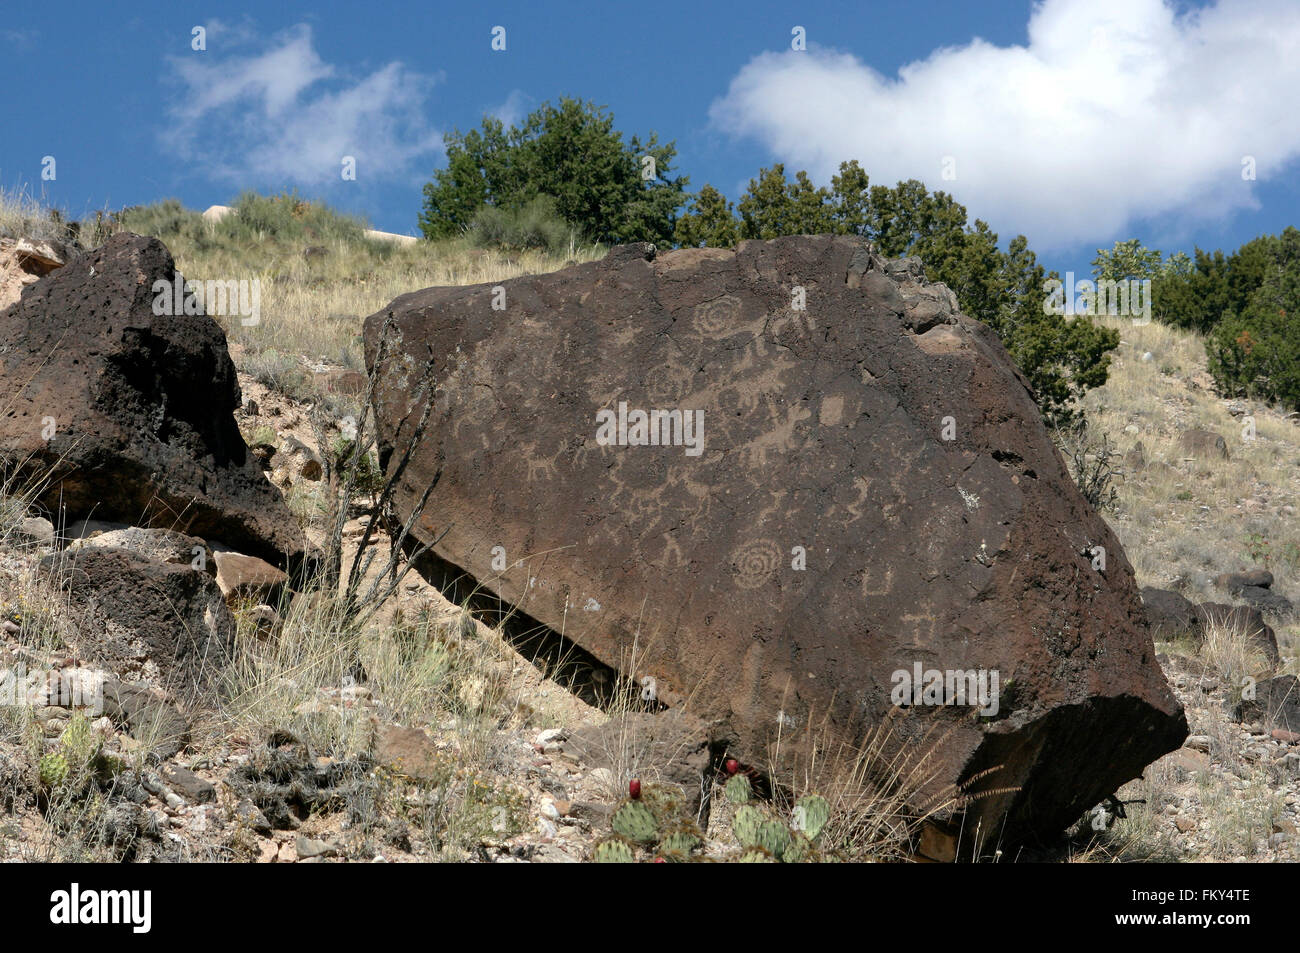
781 437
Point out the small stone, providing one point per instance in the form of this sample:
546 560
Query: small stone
266 618
248 814
550 735
308 847
407 751
550 811
1286 737
36 529
1198 743
597 814
247 577
50 712
187 784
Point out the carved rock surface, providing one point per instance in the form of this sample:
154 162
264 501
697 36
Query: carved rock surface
874 490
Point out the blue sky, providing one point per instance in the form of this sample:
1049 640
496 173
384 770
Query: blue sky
1077 122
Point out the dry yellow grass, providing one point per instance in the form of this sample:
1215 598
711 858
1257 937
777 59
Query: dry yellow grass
1183 520
313 306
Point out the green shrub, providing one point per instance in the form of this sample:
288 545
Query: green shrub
164 220
534 226
1256 353
571 152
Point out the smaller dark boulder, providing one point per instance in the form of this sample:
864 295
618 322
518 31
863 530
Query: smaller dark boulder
1275 703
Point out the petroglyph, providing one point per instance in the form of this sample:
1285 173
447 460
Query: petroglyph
753 563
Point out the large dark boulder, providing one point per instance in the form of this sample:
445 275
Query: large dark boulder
874 492
141 407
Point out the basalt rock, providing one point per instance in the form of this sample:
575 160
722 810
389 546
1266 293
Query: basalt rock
1170 615
124 415
845 479
144 618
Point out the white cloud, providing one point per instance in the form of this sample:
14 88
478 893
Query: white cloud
512 110
1115 110
22 39
283 116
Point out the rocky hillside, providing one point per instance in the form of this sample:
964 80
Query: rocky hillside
220 644
1206 491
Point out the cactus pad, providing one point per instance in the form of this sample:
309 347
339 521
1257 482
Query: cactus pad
665 803
774 837
800 850
811 812
613 850
745 825
53 770
738 789
755 855
683 840
636 821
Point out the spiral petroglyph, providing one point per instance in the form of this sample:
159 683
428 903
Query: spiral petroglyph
717 316
754 562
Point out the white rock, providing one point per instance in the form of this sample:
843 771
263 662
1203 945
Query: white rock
549 735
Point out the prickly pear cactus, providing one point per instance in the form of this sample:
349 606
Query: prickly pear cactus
774 837
636 821
613 850
756 855
811 812
53 770
664 803
681 841
800 850
738 789
745 825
